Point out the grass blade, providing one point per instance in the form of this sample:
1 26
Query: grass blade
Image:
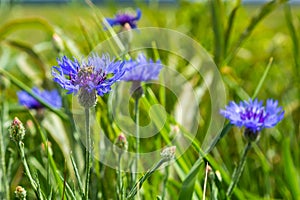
188 184
264 11
261 81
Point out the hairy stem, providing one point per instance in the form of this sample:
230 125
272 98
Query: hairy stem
238 171
88 152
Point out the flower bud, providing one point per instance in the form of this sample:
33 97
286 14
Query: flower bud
168 153
87 99
250 135
20 192
136 90
121 142
16 130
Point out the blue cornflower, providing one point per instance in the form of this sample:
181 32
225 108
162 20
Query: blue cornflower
94 76
141 69
253 115
51 97
125 18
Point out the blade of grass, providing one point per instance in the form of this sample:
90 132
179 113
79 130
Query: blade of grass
26 23
24 87
293 33
4 186
77 176
264 11
188 184
218 29
50 158
30 51
229 28
261 81
290 171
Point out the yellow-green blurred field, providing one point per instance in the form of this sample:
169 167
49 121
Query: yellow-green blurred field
241 48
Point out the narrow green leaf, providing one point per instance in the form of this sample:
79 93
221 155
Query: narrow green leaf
229 28
29 51
261 81
26 23
264 11
189 182
218 29
24 87
291 173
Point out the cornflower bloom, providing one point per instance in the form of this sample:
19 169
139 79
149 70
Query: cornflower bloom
125 19
89 77
253 115
51 97
141 70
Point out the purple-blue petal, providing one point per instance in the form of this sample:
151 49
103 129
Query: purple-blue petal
253 115
51 97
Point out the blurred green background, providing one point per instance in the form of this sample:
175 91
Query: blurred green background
32 36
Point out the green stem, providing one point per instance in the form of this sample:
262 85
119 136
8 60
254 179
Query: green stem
165 183
120 183
238 171
137 135
88 152
2 149
138 185
27 171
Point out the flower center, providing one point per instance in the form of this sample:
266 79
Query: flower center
255 114
88 77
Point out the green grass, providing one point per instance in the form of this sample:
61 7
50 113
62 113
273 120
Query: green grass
242 53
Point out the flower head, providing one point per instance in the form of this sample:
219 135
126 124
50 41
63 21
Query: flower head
95 75
125 18
253 115
168 153
121 143
141 69
20 192
51 97
16 130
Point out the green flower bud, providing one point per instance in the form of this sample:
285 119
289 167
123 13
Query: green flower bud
121 142
87 99
168 153
16 130
136 90
250 135
20 193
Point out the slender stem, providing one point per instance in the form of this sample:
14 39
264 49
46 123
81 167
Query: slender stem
137 135
238 171
165 183
88 152
2 149
140 182
27 171
120 183
205 181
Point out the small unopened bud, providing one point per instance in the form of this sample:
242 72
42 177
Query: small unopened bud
16 130
136 89
121 142
251 136
20 192
168 153
87 99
